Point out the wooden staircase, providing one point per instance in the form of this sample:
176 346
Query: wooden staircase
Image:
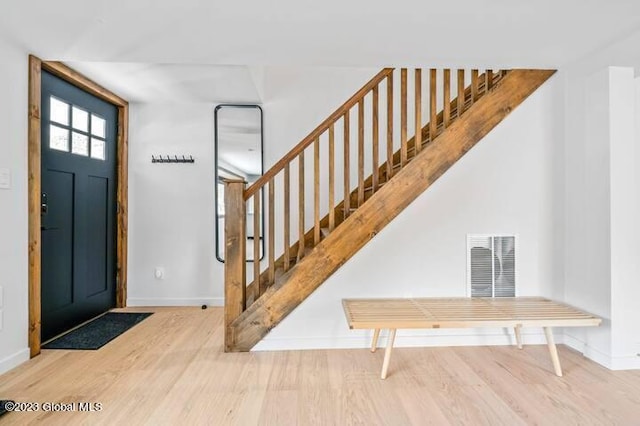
399 171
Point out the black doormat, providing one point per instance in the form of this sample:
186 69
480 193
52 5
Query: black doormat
3 403
98 332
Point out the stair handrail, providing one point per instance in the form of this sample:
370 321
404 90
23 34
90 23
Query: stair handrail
323 127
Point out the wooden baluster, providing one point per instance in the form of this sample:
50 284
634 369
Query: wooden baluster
300 205
375 135
489 83
287 218
360 152
235 255
272 233
474 85
322 127
446 98
418 110
461 97
389 126
403 116
433 120
346 205
316 192
332 215
256 244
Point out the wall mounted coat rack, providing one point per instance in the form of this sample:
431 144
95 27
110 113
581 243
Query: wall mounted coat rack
174 159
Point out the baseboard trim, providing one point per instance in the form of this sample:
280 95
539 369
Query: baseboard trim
161 301
588 351
626 363
406 341
12 361
606 360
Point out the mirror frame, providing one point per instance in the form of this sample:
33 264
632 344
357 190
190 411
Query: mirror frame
219 231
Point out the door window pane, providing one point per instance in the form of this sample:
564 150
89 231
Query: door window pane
97 149
80 119
80 144
97 126
59 111
58 138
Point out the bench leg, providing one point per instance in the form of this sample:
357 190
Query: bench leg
516 330
387 353
374 342
553 351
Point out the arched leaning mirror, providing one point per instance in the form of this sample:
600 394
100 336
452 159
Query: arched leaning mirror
238 155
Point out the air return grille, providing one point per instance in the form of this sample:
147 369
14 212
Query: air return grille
491 262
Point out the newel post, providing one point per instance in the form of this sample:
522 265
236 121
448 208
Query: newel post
234 256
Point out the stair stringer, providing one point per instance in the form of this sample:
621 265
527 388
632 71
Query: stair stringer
364 223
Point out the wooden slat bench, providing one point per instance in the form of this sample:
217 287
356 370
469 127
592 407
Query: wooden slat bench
463 312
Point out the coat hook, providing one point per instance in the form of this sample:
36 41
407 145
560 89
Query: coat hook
182 159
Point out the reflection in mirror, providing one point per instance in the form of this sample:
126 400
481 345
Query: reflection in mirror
238 147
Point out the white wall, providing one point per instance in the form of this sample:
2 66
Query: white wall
298 99
171 207
13 207
631 307
511 182
633 296
588 193
625 254
602 192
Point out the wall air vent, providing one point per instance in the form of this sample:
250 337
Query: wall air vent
491 265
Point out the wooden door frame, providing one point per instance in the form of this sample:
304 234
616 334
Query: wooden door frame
36 66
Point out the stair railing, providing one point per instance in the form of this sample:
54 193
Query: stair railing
329 177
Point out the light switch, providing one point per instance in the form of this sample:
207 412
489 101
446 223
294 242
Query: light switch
5 179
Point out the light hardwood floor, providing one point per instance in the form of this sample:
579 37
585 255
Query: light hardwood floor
170 369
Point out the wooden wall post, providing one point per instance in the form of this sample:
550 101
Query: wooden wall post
234 256
35 192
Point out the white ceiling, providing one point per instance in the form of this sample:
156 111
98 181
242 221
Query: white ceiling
496 33
211 50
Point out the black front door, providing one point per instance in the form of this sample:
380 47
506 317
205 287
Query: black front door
78 206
